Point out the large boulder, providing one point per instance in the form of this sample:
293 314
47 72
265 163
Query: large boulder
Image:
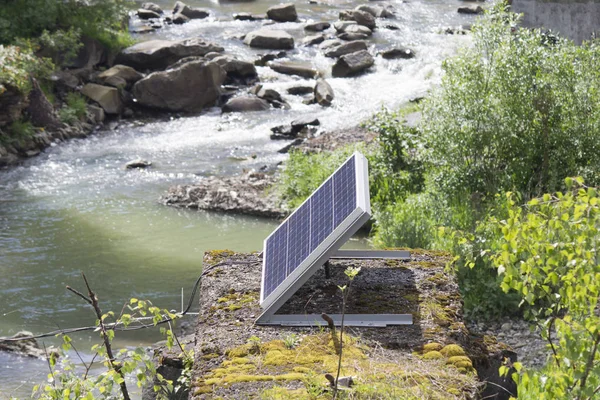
237 69
346 48
323 93
189 87
181 8
127 74
270 39
283 13
108 97
294 68
246 104
352 64
361 18
159 54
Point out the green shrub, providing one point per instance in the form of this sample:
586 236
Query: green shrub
548 253
514 112
104 20
18 64
18 132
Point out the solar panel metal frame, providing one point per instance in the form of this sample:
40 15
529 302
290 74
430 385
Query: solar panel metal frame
315 259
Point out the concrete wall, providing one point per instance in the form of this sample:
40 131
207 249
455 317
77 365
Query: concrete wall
576 20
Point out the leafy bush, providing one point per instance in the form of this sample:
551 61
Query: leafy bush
74 109
396 169
548 254
104 20
17 66
514 112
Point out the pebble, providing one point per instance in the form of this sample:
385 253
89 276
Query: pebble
531 349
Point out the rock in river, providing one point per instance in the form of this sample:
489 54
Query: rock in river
323 93
108 97
270 39
159 54
352 64
127 74
25 347
147 14
189 87
346 48
294 68
317 26
283 13
246 104
189 12
361 18
398 53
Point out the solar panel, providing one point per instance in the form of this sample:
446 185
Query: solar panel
319 227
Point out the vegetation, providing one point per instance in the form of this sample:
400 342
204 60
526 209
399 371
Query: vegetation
74 109
103 20
483 175
18 64
67 380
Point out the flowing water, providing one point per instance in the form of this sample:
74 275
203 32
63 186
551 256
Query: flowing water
75 208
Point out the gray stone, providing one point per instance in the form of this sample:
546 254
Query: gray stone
181 8
293 68
269 95
138 164
270 39
180 19
97 113
288 147
152 7
190 87
300 90
397 53
244 16
25 347
361 18
265 58
107 97
127 74
376 11
358 29
313 40
329 43
323 93
341 26
300 123
317 26
159 54
352 64
283 13
116 81
476 10
147 14
352 36
346 48
246 104
236 69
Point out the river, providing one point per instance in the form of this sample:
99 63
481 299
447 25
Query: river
76 209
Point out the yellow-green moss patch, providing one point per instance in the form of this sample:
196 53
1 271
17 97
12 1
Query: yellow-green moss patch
433 355
452 350
432 347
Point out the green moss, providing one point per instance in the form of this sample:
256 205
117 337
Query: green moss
453 391
452 350
432 347
216 256
431 309
433 355
456 359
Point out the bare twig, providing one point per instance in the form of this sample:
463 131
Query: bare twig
339 368
78 293
588 365
49 365
103 331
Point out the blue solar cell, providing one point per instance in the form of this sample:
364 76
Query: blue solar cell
321 214
276 255
299 237
344 192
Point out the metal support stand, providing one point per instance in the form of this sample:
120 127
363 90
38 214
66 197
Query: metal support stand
360 320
